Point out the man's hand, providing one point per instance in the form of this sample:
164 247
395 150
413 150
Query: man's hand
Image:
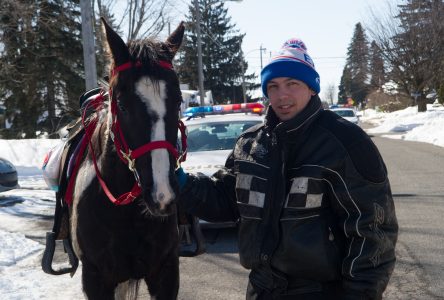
181 177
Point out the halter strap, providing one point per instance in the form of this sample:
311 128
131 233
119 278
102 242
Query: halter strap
128 65
123 151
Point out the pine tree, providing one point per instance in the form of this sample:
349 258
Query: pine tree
413 49
223 61
18 85
421 48
344 86
61 57
357 67
41 64
377 71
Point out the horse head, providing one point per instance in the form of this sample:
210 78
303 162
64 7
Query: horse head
145 101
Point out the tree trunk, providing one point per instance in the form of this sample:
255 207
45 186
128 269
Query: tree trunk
422 103
50 98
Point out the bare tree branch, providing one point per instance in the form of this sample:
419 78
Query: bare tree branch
143 17
410 39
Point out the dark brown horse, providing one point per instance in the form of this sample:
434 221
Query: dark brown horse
123 220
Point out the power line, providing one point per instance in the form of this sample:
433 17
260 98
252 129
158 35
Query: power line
207 31
181 12
329 57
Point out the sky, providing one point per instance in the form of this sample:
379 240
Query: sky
21 277
326 27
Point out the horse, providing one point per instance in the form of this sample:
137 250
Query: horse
130 150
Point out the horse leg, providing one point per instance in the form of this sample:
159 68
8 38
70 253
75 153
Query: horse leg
164 285
94 284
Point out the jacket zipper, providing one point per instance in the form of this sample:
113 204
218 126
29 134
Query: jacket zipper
267 247
273 139
331 236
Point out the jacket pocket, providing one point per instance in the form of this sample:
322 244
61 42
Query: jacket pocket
249 244
308 248
251 184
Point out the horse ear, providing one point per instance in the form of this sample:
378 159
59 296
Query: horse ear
116 45
175 39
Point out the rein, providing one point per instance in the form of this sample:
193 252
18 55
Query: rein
125 154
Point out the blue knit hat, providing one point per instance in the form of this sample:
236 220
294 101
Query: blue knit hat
292 61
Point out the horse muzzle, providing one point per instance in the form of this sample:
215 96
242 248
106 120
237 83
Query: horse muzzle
160 201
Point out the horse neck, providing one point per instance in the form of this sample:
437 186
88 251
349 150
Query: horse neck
111 167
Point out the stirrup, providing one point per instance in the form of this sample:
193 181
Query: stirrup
48 256
198 236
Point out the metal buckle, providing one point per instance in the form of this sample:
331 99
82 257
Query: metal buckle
179 160
131 165
131 162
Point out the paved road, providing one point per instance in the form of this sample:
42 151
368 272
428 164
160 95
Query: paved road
217 274
416 172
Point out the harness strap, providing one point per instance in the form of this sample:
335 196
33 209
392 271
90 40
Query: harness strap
72 179
85 142
124 152
122 149
123 199
163 63
153 146
183 137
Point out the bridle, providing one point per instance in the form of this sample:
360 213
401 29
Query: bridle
127 155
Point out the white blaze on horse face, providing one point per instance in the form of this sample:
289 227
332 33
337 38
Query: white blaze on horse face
154 95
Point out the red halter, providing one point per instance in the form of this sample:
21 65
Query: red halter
127 155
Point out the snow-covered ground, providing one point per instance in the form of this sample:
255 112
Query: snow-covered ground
20 239
409 125
20 249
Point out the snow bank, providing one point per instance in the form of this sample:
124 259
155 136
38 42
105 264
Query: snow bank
26 155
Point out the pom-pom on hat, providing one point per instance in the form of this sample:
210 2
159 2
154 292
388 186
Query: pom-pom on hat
292 61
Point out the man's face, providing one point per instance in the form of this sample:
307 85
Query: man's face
288 96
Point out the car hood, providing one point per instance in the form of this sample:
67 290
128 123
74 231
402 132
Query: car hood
206 162
352 119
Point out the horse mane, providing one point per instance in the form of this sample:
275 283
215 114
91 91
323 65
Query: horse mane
147 50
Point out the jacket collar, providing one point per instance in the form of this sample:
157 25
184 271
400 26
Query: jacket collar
298 122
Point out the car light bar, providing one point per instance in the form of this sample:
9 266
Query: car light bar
256 108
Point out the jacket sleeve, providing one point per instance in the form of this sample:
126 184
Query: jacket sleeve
367 217
212 198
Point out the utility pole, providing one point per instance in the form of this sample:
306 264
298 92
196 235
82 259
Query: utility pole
262 49
89 52
244 90
199 54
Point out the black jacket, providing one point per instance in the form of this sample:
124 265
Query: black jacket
314 203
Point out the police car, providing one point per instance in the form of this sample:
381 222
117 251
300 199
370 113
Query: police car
212 134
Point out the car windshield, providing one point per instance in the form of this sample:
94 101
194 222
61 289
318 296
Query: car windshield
216 136
345 113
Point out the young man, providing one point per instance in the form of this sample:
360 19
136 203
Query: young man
317 219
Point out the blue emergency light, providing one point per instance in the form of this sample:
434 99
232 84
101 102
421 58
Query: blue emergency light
257 108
